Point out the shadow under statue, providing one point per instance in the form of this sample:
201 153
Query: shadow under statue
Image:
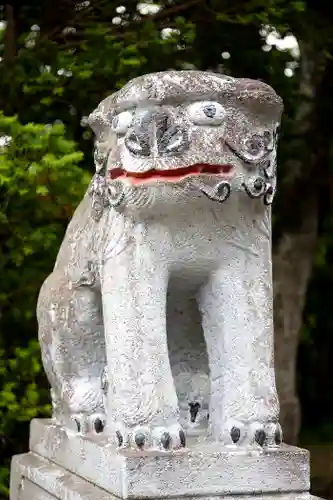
156 324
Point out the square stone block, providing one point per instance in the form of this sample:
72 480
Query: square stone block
36 478
201 469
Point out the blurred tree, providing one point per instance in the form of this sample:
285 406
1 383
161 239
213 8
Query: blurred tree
40 184
58 63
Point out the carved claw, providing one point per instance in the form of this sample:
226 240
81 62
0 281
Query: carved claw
120 438
78 424
88 424
145 438
257 434
182 438
166 440
98 426
260 437
278 435
140 439
235 434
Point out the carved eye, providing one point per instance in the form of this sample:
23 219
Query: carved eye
254 147
206 113
122 122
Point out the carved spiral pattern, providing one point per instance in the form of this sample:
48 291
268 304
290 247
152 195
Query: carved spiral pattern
220 192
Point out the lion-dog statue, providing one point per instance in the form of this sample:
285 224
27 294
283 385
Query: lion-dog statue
163 281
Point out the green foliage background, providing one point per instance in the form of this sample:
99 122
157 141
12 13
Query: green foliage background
56 65
40 182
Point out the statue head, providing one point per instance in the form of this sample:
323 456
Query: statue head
186 134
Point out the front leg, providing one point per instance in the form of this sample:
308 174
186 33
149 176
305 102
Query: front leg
236 306
142 407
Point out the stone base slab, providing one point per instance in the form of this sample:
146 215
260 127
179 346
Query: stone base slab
35 478
202 469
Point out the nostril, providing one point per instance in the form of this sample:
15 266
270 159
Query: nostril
137 143
133 143
174 140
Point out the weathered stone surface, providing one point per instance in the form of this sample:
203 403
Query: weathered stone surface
35 478
202 468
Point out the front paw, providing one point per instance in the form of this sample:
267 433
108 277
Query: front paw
252 434
164 438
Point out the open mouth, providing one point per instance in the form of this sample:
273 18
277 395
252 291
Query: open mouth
173 175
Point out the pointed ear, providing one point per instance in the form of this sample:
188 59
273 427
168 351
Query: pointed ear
259 98
98 122
100 119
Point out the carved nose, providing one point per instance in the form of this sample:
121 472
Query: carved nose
157 134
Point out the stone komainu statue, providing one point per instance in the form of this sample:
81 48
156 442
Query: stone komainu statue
156 321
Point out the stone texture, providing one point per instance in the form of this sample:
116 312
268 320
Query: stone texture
35 478
165 268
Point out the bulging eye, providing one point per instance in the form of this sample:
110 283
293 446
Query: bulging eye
206 113
122 122
254 147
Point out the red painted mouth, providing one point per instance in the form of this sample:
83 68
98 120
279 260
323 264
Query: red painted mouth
173 175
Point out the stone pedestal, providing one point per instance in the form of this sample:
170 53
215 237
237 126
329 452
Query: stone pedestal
63 465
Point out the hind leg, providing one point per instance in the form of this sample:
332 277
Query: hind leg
71 336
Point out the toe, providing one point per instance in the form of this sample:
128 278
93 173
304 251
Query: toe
182 438
278 436
86 424
78 424
166 440
140 439
98 425
260 437
178 437
233 432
